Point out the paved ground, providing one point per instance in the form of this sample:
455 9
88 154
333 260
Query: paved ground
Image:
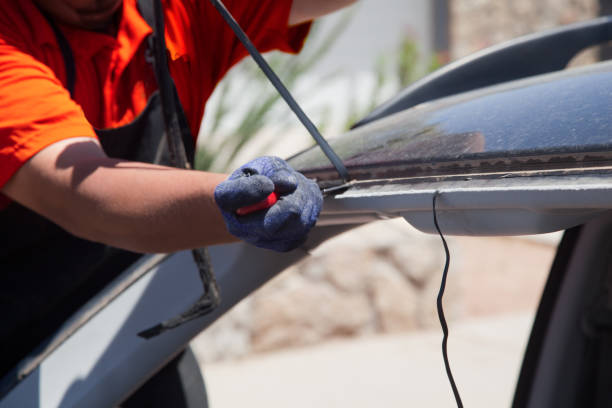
385 371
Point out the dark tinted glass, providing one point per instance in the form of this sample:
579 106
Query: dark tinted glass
561 120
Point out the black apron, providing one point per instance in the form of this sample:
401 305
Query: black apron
46 273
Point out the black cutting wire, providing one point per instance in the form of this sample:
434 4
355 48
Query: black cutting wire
282 90
449 374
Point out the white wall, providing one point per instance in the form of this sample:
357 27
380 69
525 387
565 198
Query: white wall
375 29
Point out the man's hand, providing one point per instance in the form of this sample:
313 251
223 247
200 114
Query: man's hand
283 226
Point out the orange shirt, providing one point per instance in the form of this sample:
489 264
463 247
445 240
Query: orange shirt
113 80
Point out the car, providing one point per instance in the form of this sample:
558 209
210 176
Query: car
506 141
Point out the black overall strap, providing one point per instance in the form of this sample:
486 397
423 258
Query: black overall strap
178 133
176 130
66 54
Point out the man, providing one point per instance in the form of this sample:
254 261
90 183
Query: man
69 68
67 177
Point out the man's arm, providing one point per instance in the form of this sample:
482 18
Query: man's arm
306 10
135 206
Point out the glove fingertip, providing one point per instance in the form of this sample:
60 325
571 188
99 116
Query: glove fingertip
233 194
285 181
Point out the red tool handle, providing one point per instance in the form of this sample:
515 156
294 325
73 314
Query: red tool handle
262 205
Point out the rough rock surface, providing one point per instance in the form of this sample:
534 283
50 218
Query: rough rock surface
380 278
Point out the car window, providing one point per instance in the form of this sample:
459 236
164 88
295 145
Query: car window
561 120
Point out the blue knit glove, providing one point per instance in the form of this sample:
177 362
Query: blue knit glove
284 225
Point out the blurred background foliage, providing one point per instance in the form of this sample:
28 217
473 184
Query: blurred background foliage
245 103
393 72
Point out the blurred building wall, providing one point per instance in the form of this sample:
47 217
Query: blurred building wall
477 24
376 28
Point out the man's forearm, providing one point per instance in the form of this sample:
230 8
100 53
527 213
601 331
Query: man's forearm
146 208
136 206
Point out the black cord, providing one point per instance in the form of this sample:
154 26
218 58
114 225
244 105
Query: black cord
282 90
449 374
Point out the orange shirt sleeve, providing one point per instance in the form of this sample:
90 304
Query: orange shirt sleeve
35 109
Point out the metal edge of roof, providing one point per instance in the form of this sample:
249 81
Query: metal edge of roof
478 207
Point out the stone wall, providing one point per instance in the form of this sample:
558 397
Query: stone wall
477 24
380 278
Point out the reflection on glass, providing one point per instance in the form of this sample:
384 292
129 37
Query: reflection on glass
551 121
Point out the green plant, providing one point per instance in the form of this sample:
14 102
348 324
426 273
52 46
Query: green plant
392 73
